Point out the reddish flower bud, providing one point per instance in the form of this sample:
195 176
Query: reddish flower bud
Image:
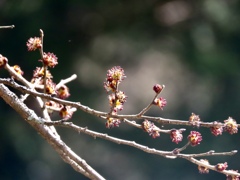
221 166
150 128
217 129
160 102
158 88
203 169
194 138
66 112
3 61
34 43
49 59
176 136
112 122
194 120
230 125
63 92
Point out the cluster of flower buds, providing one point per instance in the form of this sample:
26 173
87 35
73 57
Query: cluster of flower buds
176 135
117 99
203 169
150 128
194 120
194 138
42 78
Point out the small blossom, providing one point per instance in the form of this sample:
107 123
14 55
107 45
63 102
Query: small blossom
112 122
49 59
160 102
221 166
217 129
39 72
233 177
194 120
176 136
117 103
194 138
3 61
230 125
150 128
203 169
114 76
34 43
158 88
66 112
63 92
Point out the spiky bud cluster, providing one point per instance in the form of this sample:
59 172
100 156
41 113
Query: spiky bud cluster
160 102
230 125
150 128
176 135
194 120
194 138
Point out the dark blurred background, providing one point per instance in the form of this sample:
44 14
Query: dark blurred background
190 46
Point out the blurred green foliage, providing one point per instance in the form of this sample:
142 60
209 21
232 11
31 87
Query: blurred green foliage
190 46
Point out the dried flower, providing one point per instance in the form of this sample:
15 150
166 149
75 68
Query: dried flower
216 129
160 102
221 166
233 177
34 43
194 120
194 138
66 112
176 136
158 88
49 59
63 92
230 125
150 128
3 61
203 169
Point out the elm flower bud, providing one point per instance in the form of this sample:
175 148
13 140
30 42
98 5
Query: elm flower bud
3 61
230 125
34 43
112 122
194 120
49 59
221 166
114 76
216 129
194 138
66 112
160 102
150 128
176 136
158 88
203 169
63 92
